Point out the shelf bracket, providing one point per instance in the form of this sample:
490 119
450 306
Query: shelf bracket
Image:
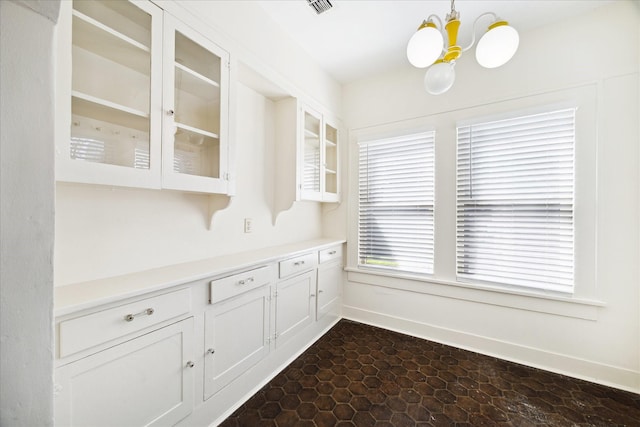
217 203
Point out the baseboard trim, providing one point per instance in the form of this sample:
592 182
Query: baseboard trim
611 376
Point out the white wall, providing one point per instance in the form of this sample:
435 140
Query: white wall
103 231
26 225
596 337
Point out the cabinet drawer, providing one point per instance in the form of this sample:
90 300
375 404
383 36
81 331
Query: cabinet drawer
87 331
297 264
334 252
230 286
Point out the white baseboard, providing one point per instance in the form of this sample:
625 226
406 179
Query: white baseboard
566 365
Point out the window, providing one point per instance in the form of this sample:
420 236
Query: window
395 209
515 190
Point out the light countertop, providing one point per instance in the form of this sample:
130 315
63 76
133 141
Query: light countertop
84 295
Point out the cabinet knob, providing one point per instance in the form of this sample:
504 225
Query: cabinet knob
170 112
211 351
320 291
312 295
190 364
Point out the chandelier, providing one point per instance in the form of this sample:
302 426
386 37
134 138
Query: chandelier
427 48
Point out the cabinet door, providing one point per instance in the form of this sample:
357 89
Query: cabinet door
330 162
295 307
145 381
329 285
108 130
237 337
310 160
195 119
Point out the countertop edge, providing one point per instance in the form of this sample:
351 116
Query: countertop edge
86 295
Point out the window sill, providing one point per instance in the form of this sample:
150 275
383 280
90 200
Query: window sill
541 302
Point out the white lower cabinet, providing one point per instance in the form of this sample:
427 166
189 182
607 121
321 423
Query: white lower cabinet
295 307
146 381
329 281
236 337
138 361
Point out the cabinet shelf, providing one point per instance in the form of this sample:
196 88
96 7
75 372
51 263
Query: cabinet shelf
107 111
196 84
104 41
308 134
194 130
330 171
194 56
330 143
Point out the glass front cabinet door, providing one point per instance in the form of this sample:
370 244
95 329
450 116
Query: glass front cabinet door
330 162
195 98
318 174
112 53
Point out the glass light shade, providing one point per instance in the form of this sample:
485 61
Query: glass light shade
424 47
497 46
439 78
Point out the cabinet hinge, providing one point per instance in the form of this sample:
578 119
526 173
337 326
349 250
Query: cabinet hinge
227 176
229 64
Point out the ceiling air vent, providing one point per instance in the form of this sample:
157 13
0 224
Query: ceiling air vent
320 5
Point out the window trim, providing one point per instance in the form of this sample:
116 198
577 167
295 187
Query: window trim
585 97
517 115
411 138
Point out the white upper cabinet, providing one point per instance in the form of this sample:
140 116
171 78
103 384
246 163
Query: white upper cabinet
318 147
110 78
330 189
125 120
195 100
307 159
311 152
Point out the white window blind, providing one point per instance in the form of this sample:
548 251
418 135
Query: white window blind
515 187
396 196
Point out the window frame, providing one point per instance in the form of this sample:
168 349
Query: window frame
493 204
428 204
583 303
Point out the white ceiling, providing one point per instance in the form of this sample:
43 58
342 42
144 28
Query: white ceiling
358 38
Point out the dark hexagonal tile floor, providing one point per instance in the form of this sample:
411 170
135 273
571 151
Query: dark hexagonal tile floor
359 375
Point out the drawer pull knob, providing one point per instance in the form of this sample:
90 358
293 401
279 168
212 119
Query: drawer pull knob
211 351
320 291
298 263
190 364
332 253
130 317
245 281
